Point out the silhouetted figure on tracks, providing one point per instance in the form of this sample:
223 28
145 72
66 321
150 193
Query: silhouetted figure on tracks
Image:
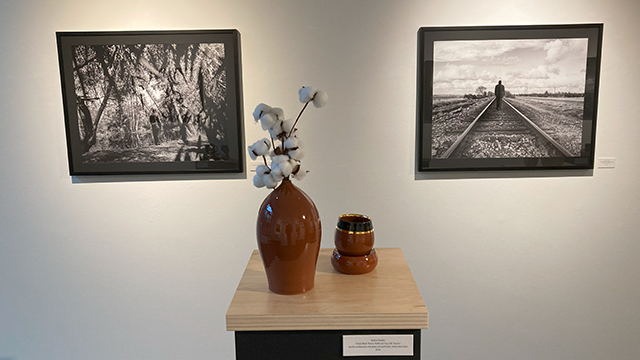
499 91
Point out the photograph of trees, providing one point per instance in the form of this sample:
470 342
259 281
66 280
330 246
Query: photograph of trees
151 103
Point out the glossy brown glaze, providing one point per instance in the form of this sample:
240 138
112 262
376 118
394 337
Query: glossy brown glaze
289 234
354 265
351 241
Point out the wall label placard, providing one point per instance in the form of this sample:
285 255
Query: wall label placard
377 345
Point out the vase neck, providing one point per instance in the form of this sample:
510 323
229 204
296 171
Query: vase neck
286 184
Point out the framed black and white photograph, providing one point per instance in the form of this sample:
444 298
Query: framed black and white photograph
147 102
507 97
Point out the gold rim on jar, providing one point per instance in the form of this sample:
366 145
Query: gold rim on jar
361 225
354 232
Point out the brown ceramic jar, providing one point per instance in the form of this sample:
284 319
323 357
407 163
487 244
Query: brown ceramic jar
289 233
354 235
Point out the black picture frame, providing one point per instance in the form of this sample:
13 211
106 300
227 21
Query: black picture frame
553 73
152 102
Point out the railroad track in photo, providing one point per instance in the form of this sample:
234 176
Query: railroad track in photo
507 133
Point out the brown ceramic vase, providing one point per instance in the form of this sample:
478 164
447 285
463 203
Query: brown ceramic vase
289 234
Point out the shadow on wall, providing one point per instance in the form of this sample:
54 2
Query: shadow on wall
7 358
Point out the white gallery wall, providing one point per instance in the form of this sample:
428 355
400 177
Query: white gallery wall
534 265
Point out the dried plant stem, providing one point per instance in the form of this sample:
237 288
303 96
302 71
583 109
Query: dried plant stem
298 118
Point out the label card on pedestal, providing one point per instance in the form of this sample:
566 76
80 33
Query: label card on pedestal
377 345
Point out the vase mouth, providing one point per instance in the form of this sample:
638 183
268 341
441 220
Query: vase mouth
355 223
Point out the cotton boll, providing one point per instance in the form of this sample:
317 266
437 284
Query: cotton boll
287 125
295 164
269 181
267 120
264 147
296 154
279 159
274 167
260 148
253 153
276 172
257 181
276 129
273 153
261 170
320 99
302 172
278 112
291 143
306 93
260 109
300 93
285 168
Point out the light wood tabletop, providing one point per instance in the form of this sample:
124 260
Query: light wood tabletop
386 298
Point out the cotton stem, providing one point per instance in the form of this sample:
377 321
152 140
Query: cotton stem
298 118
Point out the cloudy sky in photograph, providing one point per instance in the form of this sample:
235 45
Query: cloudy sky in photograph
524 66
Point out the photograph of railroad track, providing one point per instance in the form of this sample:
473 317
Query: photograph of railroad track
507 98
145 102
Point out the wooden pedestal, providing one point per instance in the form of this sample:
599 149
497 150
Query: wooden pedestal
311 325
